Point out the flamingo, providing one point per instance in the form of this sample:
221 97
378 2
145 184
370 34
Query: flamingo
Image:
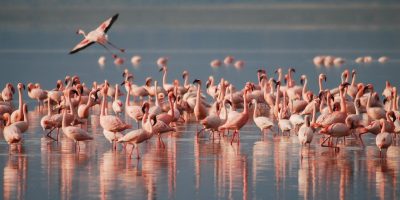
166 86
239 121
18 115
7 93
133 111
12 134
50 121
138 136
383 139
200 111
117 105
36 93
74 133
306 133
98 36
23 125
263 123
213 121
110 122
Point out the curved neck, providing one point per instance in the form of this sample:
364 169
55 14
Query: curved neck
71 107
328 101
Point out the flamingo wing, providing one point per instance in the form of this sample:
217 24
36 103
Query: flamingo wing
107 24
83 44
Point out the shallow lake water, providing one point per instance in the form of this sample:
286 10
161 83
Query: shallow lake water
191 167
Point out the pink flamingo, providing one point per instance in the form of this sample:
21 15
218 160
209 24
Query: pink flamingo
110 122
12 134
239 121
383 139
18 114
74 133
98 35
7 93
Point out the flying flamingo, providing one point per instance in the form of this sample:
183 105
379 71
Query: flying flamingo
98 35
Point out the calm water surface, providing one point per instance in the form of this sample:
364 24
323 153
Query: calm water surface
260 167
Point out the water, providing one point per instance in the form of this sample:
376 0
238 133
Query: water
34 47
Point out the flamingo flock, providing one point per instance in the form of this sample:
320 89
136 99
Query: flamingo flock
277 106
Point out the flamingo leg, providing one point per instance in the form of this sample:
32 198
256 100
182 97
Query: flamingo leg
198 133
111 44
78 146
137 153
49 134
113 55
233 136
130 154
361 140
323 142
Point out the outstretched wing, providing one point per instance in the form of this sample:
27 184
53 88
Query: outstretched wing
107 24
83 44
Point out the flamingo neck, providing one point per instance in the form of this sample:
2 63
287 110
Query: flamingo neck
328 101
353 81
320 85
127 97
64 119
304 87
71 107
116 95
164 78
48 107
103 104
343 107
186 82
156 94
245 106
314 113
25 111
255 110
198 94
171 104
369 100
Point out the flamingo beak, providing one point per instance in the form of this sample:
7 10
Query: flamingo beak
23 86
197 81
123 83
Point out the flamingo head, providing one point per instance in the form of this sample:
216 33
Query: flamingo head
148 81
185 74
261 71
322 77
21 86
197 81
262 77
302 79
80 32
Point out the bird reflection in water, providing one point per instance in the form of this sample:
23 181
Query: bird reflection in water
229 164
15 177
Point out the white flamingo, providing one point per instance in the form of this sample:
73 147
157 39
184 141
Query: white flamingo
98 35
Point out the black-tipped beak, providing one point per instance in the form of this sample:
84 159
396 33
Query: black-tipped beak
154 118
123 83
161 69
196 81
23 86
75 92
345 84
302 81
123 74
144 108
292 70
208 84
